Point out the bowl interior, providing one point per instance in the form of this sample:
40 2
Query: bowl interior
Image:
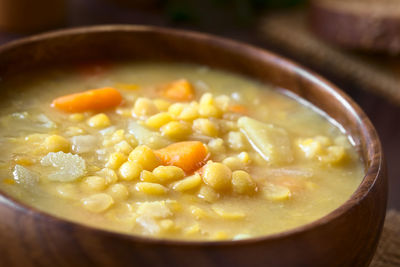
155 44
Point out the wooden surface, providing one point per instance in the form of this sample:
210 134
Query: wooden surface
31 238
365 25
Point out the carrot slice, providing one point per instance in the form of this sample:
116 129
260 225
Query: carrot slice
179 90
238 109
96 99
187 155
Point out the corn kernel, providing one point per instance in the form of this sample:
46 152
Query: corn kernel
144 107
166 174
208 194
123 147
198 213
107 143
176 130
151 188
216 146
175 109
335 154
174 205
158 120
109 174
217 175
99 121
244 157
76 117
130 171
222 102
234 163
242 183
236 140
229 215
190 182
119 191
154 209
207 106
206 127
55 143
95 183
118 136
189 113
210 111
144 156
97 203
131 139
207 99
115 160
310 147
276 192
147 176
162 104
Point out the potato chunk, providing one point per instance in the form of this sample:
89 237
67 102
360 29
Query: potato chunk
68 167
270 141
25 176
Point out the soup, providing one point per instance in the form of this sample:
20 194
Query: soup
173 151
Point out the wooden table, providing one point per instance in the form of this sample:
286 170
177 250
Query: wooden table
384 115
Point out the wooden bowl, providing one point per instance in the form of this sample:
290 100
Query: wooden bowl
347 236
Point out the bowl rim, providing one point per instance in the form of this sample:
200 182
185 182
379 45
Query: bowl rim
374 165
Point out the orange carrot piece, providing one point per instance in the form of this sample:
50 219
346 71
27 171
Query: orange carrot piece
187 155
179 90
238 109
96 99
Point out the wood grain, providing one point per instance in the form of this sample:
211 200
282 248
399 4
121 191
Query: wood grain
346 237
372 26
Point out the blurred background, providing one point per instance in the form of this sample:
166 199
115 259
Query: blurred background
354 43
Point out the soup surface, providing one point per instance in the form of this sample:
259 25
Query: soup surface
170 151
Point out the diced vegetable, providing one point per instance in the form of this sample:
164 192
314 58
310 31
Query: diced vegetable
55 143
91 100
84 143
145 157
147 137
180 90
217 175
276 192
155 209
68 167
188 155
25 176
270 141
97 203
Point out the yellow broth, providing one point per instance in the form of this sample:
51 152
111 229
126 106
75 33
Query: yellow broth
273 162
